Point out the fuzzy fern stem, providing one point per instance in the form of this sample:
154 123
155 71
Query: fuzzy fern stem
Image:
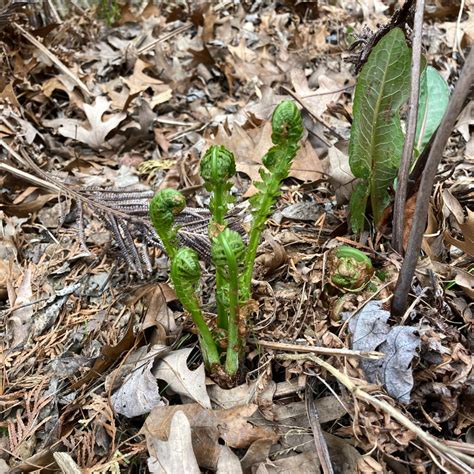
228 252
287 130
217 168
185 275
163 207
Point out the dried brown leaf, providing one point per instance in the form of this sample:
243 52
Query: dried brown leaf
188 383
176 454
97 130
232 426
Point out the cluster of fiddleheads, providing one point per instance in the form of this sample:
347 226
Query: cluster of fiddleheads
232 259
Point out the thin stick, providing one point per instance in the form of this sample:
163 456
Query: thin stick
443 133
282 346
359 393
404 170
29 177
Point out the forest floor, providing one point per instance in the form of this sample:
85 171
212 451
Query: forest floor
97 358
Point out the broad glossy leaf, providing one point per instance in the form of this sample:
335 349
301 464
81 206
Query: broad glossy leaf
434 98
376 142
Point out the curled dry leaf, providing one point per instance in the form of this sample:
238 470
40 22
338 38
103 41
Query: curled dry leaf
190 384
9 268
21 318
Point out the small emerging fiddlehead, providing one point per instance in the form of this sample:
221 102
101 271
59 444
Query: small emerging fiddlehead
217 168
163 207
287 125
185 274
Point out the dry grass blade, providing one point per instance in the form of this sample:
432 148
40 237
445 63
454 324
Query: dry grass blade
319 441
282 346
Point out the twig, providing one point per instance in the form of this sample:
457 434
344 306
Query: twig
404 170
282 346
443 133
28 177
165 37
361 394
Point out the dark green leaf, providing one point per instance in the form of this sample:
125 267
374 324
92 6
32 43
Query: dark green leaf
376 137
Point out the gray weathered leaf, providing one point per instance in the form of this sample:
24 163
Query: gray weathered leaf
139 394
228 462
175 455
370 332
399 349
301 211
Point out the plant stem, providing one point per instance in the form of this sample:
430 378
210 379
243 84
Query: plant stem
220 209
404 170
443 133
233 343
208 346
256 230
185 274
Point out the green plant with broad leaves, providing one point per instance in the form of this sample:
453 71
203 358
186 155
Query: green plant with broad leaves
222 346
377 137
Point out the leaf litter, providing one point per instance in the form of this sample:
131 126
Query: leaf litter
98 367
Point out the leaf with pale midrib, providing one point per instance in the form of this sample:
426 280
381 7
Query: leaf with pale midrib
376 142
433 101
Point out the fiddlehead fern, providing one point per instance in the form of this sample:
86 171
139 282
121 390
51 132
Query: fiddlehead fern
287 130
185 275
163 207
228 251
217 167
287 125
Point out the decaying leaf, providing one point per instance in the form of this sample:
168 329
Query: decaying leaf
139 394
467 228
233 426
21 318
370 332
176 454
95 132
316 101
190 384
